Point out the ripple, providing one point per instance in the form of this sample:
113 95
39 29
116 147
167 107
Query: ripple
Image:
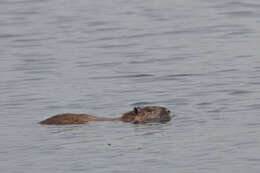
26 12
237 5
142 103
53 107
109 46
205 29
106 29
254 124
239 92
18 2
24 40
178 76
234 92
215 111
204 103
151 60
183 75
177 101
98 23
254 106
241 14
94 65
227 71
126 37
124 76
140 35
107 38
3 36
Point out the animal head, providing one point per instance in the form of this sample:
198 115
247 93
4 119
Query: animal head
147 114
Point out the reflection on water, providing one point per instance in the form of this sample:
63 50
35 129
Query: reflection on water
200 60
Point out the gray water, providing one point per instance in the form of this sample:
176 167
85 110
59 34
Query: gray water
200 59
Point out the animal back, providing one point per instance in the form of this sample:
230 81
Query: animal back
68 118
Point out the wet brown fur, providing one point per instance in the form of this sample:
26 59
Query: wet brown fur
137 115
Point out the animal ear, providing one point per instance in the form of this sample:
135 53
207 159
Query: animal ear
136 110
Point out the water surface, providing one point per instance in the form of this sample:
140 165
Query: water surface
200 59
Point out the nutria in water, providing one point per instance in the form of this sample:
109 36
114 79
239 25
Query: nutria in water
137 115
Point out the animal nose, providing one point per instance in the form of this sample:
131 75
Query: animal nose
165 118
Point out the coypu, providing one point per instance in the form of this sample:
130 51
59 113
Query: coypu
137 115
